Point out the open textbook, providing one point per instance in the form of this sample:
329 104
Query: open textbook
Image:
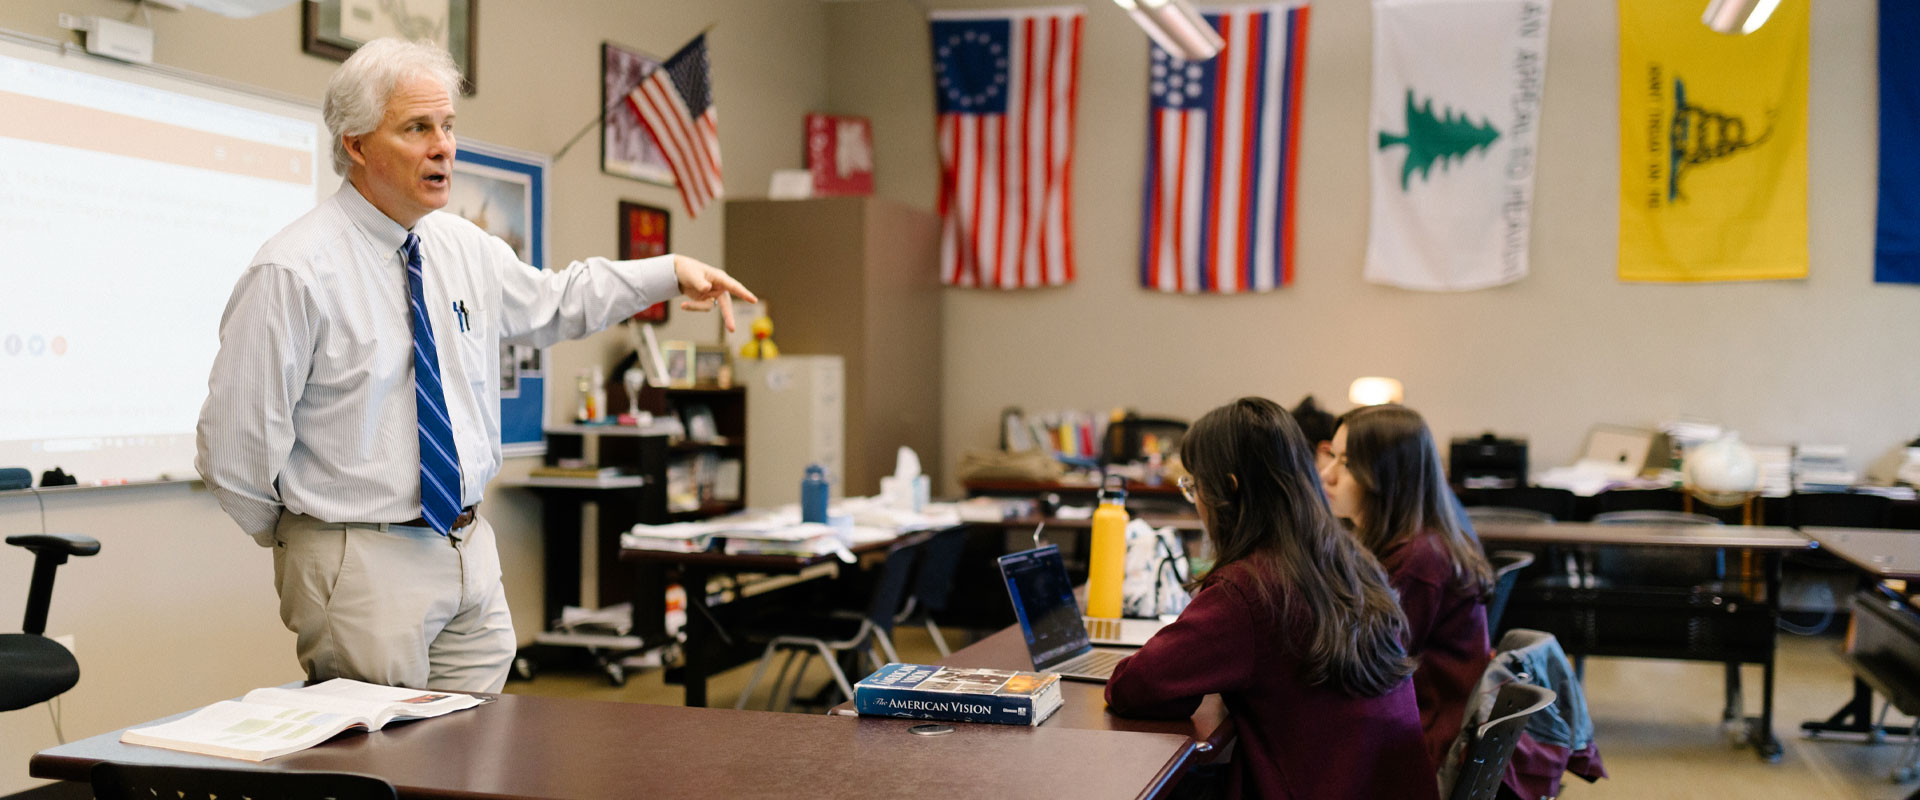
273 722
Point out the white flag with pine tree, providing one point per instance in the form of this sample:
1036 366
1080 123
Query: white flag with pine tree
1456 116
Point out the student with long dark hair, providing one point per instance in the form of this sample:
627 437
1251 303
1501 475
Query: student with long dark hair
1386 480
1295 627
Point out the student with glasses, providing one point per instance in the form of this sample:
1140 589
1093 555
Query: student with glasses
1385 479
1295 628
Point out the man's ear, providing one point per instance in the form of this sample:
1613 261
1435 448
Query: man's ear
352 145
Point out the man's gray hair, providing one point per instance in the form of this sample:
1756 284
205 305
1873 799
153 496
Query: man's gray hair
358 92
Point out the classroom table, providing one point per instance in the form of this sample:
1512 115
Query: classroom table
710 645
1734 624
1881 555
567 749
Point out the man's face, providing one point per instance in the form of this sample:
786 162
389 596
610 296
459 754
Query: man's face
405 164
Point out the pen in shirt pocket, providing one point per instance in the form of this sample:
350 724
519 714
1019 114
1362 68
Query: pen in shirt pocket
460 311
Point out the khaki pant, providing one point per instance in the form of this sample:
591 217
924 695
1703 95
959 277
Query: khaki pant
400 607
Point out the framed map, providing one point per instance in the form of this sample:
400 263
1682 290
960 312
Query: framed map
335 28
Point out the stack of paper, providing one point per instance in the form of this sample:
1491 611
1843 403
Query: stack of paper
1822 468
1776 469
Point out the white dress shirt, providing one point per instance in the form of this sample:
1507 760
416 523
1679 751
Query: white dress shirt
310 406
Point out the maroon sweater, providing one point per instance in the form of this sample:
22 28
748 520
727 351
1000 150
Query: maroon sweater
1446 632
1295 740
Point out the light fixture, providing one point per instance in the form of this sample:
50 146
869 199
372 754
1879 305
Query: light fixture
1738 16
1176 27
1374 391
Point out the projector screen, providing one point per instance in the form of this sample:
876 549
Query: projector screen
130 201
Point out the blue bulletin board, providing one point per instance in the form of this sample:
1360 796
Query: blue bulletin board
504 191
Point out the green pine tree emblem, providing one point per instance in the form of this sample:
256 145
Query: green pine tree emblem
1429 138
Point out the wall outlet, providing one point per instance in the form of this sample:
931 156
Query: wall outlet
66 641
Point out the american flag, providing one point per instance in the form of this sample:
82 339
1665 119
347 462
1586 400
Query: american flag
1222 149
1005 85
675 102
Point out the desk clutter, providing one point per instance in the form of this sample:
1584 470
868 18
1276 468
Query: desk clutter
273 722
782 532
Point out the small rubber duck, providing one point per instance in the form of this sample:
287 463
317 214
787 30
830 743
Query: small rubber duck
762 345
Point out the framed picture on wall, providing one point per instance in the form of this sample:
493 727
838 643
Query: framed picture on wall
679 355
643 234
504 192
626 148
335 28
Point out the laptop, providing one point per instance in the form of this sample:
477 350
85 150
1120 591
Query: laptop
1050 617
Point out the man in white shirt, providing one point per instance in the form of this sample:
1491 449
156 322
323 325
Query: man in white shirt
352 419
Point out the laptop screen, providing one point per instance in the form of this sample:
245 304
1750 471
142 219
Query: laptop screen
1043 600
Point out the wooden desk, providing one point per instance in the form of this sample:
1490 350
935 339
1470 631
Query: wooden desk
1732 623
1880 554
543 747
710 647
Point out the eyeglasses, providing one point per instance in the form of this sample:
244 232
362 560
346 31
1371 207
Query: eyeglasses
1187 489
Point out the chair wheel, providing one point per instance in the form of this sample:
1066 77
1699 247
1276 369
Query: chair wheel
1903 774
523 669
616 674
1736 732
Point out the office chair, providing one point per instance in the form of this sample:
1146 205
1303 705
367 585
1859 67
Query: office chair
1506 572
33 668
113 781
1481 515
1491 745
933 585
831 635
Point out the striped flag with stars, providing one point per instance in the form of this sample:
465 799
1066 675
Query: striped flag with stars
1222 150
1005 86
675 103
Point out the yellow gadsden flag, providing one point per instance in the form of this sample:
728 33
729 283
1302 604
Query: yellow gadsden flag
1713 146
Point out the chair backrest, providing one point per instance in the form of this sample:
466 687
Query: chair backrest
113 781
1557 503
1480 515
1492 744
890 591
1653 517
33 668
1506 572
939 561
1840 510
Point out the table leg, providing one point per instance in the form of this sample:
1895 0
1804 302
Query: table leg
703 633
1855 718
1760 735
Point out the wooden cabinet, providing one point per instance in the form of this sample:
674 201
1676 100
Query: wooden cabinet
856 277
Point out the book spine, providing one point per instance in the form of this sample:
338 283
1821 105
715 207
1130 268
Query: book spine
946 706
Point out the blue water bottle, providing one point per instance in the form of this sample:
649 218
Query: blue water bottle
813 495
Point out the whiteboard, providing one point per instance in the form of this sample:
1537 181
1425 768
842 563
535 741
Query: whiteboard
131 199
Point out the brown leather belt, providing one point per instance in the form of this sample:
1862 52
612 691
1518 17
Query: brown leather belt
466 518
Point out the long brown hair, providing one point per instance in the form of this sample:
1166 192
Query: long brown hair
1404 491
1264 505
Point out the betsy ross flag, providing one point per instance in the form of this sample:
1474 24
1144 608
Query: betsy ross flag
1005 85
1222 145
675 102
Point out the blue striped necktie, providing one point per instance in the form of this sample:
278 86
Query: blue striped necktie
439 461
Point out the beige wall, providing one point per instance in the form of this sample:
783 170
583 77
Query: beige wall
178 609
1825 360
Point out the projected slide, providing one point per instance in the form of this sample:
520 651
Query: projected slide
126 214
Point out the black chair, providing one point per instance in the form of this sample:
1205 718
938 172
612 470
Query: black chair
833 634
113 781
1555 503
933 585
1506 572
1491 745
33 668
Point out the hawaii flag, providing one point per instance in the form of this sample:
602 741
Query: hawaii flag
1004 85
1456 118
1222 145
1713 146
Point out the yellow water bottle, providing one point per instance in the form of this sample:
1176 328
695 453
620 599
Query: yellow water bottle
1108 567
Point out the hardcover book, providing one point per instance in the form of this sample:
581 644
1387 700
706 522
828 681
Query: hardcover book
956 694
